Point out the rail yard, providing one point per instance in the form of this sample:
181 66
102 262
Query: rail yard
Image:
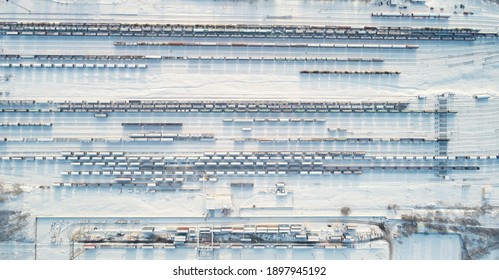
298 130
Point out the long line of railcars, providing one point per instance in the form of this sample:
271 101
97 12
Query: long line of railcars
151 57
73 65
112 157
263 45
242 30
164 106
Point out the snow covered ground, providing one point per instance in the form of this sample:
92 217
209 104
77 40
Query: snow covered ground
458 69
429 247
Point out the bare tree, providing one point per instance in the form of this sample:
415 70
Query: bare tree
345 211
